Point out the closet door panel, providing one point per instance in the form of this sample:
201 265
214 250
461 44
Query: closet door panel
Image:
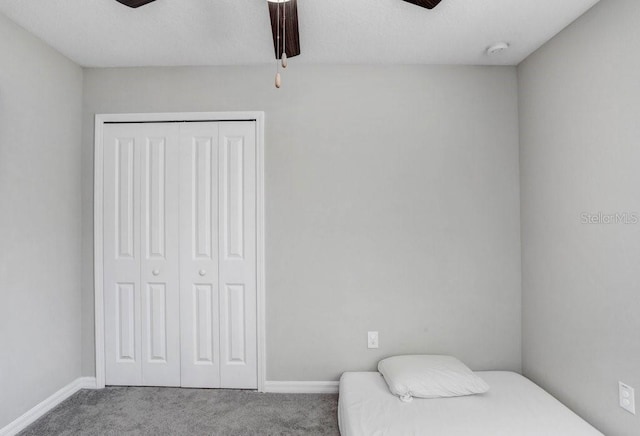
160 249
199 292
141 255
122 255
237 251
180 254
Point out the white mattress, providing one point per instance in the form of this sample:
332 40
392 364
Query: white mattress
514 406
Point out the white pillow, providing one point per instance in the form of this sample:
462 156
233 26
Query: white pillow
429 376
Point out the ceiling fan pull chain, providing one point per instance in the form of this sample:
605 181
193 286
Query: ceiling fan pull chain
284 36
278 81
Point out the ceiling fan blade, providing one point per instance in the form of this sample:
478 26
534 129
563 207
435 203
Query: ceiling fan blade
292 34
429 4
134 3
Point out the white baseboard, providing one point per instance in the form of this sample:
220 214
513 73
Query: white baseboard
302 387
37 411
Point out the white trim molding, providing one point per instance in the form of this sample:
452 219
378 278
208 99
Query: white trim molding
98 200
302 387
45 406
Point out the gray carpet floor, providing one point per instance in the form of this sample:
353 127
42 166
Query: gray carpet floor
174 411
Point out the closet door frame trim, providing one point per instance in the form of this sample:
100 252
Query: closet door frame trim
98 225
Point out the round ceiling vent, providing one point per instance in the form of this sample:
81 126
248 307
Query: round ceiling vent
497 48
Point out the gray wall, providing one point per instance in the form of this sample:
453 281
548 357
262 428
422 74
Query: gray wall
580 153
392 204
40 221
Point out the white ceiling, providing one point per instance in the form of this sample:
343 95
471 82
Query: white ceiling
104 33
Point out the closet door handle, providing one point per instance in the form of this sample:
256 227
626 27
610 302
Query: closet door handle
155 272
202 272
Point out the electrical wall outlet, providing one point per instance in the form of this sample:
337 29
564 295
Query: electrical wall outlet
627 397
372 339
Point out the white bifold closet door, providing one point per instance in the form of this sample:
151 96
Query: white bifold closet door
141 263
180 254
218 255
